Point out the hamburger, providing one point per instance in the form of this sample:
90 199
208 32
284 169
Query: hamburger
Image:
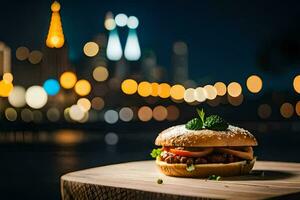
205 147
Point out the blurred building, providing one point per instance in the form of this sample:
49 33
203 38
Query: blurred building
55 62
149 63
121 69
180 62
56 58
5 58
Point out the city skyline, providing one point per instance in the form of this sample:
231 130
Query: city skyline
108 67
205 58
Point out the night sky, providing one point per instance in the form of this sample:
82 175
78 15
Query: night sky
227 40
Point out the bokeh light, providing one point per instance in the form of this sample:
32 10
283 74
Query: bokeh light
264 111
132 22
296 84
91 49
76 113
68 80
53 114
287 110
26 115
93 116
210 92
98 103
37 116
35 57
22 53
215 102
177 92
67 137
234 89
111 116
67 114
145 113
164 90
11 114
111 138
83 87
17 97
5 88
144 89
221 88
121 19
154 89
235 101
100 73
84 104
129 86
36 97
51 86
109 22
254 84
160 113
200 94
8 77
55 6
173 113
189 95
85 118
126 114
298 108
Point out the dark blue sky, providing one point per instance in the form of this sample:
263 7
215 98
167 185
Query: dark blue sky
227 39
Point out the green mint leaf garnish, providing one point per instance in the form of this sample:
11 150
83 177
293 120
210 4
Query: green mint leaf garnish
201 114
212 122
214 177
215 122
194 124
156 152
190 168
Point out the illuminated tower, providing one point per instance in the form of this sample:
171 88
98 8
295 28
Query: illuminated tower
180 62
55 38
132 50
114 49
55 60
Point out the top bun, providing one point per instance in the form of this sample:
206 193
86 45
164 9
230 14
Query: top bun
180 136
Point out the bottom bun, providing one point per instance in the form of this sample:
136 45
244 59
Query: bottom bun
205 170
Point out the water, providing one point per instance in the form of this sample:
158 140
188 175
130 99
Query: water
32 162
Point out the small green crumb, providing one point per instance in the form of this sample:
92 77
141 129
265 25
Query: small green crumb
214 177
190 168
160 181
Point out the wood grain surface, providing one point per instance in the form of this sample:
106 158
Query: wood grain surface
138 180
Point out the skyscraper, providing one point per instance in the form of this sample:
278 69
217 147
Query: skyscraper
180 62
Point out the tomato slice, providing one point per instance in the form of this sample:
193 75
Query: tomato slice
190 153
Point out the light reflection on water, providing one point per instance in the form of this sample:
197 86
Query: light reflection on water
39 158
31 159
60 137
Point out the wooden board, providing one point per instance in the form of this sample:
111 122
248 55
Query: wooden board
138 180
